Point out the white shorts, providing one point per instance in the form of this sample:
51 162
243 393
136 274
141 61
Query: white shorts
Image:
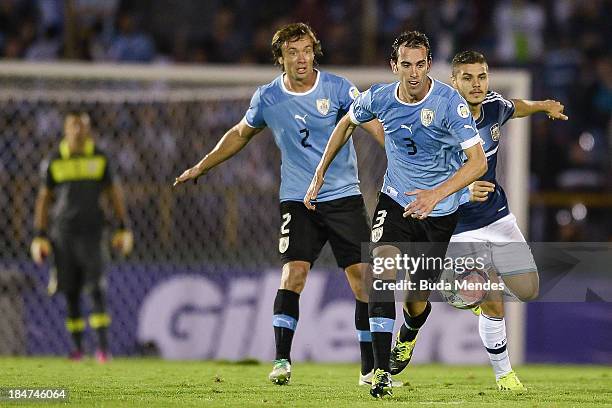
502 242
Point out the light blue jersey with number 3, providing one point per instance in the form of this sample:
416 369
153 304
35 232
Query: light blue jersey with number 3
302 124
423 141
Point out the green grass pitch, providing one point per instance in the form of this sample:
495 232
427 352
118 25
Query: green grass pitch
158 383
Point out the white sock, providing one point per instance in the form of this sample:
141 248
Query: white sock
493 335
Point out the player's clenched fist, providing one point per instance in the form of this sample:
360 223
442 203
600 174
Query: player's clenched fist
40 249
479 190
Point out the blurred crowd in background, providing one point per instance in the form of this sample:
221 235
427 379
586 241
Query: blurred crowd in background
563 43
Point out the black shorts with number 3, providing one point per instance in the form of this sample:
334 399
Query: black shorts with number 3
343 222
430 235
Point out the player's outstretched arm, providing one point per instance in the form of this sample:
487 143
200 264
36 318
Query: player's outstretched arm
231 143
338 138
426 200
552 108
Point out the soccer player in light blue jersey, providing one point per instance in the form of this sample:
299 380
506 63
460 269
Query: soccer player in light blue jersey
427 126
486 220
301 107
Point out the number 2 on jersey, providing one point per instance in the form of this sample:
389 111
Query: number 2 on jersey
286 220
305 138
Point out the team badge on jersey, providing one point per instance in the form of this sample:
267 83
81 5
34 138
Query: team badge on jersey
463 111
427 117
323 106
377 234
353 92
495 132
283 244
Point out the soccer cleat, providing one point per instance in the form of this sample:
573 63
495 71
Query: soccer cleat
281 372
102 356
366 379
75 355
401 355
510 382
381 384
476 310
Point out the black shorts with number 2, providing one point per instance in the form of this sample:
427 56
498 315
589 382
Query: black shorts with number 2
343 222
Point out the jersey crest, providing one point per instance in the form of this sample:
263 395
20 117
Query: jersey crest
427 117
283 244
377 234
323 106
495 132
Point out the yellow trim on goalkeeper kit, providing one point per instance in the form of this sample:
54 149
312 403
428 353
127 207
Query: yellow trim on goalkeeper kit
97 320
89 167
75 325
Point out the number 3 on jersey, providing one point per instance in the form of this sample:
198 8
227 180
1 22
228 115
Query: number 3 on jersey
380 218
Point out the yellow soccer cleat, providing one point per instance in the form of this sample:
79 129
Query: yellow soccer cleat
381 384
510 382
476 310
401 355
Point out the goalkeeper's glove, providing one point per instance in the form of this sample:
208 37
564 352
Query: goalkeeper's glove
123 241
40 249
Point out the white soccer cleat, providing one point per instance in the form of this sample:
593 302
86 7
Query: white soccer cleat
366 379
281 372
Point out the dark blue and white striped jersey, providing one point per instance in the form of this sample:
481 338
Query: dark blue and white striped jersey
494 113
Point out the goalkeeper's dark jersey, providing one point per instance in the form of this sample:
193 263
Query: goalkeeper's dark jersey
77 181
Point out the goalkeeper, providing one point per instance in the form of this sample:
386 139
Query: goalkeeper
75 177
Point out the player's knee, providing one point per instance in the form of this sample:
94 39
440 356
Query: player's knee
294 276
358 276
493 309
525 287
529 293
383 261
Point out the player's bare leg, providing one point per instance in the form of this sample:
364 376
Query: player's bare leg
286 315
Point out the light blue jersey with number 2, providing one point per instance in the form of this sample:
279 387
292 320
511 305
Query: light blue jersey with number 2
302 124
423 141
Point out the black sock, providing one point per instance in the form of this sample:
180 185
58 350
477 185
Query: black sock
382 319
411 326
75 324
99 320
362 324
286 315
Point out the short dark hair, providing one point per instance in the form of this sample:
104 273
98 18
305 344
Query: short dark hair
293 32
410 39
467 57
